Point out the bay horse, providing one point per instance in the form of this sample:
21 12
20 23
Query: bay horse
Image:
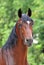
14 52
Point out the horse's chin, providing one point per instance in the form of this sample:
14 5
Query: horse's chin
27 43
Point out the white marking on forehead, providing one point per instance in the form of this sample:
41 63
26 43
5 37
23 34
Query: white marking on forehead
28 22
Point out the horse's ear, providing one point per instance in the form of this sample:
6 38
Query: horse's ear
20 13
29 12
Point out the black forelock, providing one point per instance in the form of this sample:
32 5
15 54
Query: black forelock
25 18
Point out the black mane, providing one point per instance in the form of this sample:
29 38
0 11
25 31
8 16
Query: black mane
11 40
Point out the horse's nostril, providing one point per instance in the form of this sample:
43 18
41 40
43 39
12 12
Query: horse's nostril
29 40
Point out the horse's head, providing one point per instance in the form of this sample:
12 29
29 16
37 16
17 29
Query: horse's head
24 27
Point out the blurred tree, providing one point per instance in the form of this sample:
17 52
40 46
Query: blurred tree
8 17
41 36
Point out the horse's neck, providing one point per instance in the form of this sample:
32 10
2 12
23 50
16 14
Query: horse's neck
20 53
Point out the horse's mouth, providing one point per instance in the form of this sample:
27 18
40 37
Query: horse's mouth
28 42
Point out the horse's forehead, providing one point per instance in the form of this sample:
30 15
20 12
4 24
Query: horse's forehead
26 18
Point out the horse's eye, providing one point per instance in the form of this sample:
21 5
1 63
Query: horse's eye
31 23
20 25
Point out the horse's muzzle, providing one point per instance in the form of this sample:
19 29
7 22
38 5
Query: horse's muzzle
28 42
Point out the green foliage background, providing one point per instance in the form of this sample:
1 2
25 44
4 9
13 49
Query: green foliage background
8 18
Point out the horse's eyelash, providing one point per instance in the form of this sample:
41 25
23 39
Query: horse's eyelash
20 25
